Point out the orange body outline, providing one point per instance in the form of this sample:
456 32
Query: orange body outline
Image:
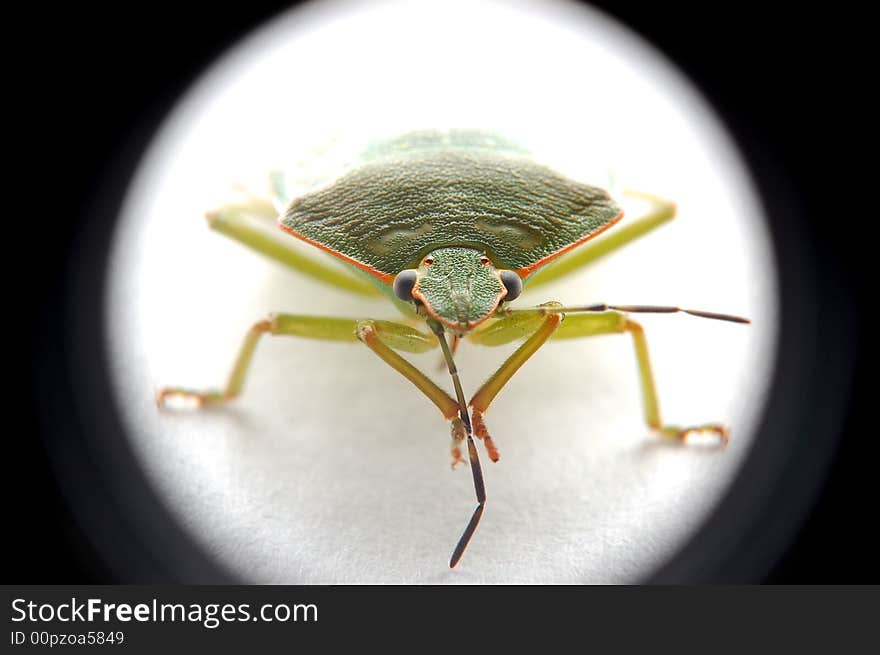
388 278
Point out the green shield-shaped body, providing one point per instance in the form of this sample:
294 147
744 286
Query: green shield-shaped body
430 190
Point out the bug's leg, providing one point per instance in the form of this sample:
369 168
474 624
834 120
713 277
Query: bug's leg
384 338
584 321
232 221
315 327
615 322
539 324
312 327
659 212
454 410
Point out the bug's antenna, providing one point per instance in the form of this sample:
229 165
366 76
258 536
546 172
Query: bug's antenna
476 469
478 510
658 309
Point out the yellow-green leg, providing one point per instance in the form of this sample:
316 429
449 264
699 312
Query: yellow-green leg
232 221
539 324
382 337
613 322
659 213
546 322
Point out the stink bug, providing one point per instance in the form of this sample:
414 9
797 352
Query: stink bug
450 226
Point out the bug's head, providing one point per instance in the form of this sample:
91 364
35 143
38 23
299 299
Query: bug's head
458 286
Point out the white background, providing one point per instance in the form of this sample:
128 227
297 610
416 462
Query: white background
333 468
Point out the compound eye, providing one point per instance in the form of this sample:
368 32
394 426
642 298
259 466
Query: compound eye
512 283
404 283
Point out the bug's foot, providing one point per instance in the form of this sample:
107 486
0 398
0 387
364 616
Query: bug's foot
188 397
482 433
683 434
458 435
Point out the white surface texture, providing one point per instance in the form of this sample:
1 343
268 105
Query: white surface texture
331 467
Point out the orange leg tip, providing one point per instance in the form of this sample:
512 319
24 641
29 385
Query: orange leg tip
683 434
456 457
724 435
188 399
482 432
715 428
165 394
491 449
